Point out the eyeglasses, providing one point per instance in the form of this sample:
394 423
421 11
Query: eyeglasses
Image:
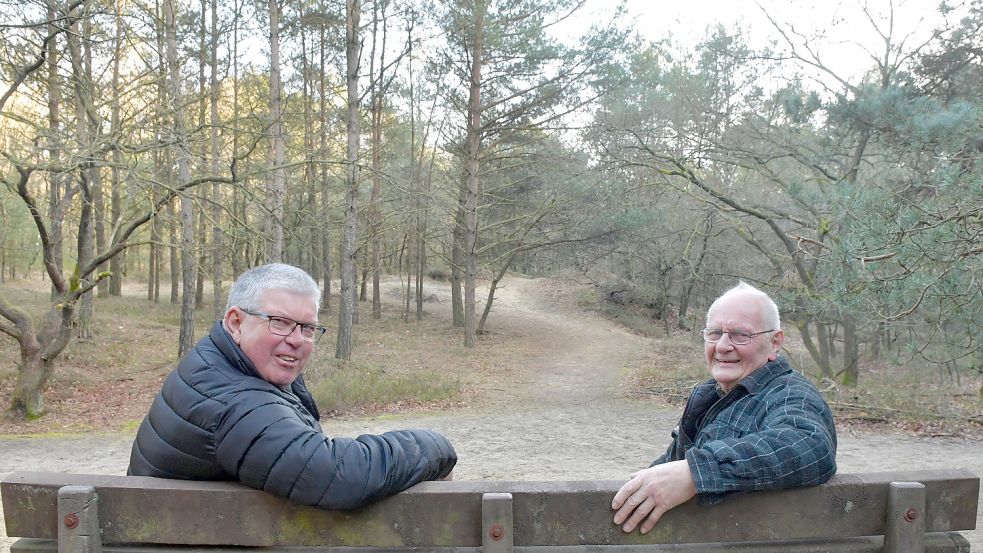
737 337
284 326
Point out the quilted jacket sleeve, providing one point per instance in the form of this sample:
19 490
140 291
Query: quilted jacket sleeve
271 448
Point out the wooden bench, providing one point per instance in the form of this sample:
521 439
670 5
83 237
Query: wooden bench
73 513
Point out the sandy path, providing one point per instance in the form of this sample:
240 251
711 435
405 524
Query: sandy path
560 418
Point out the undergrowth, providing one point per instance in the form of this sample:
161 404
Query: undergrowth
915 400
353 386
919 399
108 382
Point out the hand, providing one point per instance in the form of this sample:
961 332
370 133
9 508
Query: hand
652 492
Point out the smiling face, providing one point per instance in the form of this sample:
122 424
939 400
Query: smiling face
279 360
728 362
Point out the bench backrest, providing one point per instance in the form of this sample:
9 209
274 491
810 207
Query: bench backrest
139 510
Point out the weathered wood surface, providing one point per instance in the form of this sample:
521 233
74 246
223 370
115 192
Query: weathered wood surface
449 514
944 542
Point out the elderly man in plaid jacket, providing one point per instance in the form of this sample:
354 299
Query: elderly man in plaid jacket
755 425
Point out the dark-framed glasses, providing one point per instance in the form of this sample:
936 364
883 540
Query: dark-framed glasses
284 326
737 337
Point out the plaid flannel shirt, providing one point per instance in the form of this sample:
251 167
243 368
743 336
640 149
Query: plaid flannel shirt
773 430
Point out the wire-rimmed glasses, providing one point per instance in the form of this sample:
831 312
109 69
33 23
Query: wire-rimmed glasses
284 326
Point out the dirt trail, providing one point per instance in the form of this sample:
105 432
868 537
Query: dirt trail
561 417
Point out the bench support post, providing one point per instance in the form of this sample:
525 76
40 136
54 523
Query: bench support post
905 528
496 523
78 520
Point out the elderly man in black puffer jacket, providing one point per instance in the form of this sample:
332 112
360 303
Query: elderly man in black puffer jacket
236 408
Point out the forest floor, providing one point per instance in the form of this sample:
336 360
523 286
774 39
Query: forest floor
559 411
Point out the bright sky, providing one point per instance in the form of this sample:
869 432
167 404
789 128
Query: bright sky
846 32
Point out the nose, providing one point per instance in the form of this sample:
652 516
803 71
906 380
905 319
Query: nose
295 337
722 343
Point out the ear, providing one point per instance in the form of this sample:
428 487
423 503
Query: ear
233 322
777 341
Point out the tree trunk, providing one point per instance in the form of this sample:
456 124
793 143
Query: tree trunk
363 287
118 261
422 241
823 338
87 96
198 209
99 227
277 182
86 127
851 352
27 401
399 270
175 264
355 297
218 304
37 351
200 253
472 164
238 247
684 297
56 212
162 173
408 248
308 248
824 368
457 258
38 348
153 263
347 291
421 259
375 210
325 235
188 256
492 287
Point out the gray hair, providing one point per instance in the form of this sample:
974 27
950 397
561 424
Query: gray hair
769 309
247 290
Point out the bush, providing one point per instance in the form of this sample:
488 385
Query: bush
438 275
353 386
643 310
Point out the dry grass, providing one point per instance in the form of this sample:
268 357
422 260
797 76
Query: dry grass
400 364
916 398
106 382
926 401
109 382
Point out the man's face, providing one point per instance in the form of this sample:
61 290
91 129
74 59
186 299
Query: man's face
278 359
728 362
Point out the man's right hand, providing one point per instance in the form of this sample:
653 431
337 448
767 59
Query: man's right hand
650 493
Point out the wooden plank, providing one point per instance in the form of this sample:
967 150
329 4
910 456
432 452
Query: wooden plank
944 542
847 506
448 514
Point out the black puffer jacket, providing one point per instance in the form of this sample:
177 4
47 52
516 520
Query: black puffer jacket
216 419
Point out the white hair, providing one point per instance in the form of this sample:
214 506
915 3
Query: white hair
247 290
769 309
